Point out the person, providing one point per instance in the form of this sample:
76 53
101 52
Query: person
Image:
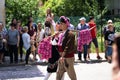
4 31
34 25
19 28
57 27
53 61
26 43
50 18
66 60
2 42
39 37
31 30
52 22
71 27
14 21
48 31
83 26
105 29
49 13
32 33
109 39
40 32
116 58
94 37
13 39
48 28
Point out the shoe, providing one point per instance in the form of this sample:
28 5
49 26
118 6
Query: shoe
16 62
21 60
78 60
89 60
27 65
39 61
98 57
11 62
106 57
109 61
1 62
36 59
88 57
45 61
86 61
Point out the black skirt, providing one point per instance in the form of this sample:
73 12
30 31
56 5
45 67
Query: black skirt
53 60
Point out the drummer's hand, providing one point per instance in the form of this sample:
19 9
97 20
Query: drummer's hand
56 33
62 59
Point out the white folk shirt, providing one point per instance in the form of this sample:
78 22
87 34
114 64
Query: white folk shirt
41 35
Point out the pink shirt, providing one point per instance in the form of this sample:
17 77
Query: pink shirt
84 38
45 48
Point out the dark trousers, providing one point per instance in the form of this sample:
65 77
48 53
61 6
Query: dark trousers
21 51
13 49
85 47
27 55
21 46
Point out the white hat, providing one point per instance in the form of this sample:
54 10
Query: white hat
82 18
109 21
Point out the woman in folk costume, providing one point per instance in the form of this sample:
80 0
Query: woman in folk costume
39 38
45 46
52 62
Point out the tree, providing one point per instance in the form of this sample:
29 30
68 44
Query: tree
76 8
64 7
95 9
21 9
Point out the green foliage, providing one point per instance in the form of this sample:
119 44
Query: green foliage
74 7
117 24
21 9
65 7
100 44
95 9
54 5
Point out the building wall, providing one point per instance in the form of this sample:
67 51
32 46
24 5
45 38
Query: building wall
113 6
2 11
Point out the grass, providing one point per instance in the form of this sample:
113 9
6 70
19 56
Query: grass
100 45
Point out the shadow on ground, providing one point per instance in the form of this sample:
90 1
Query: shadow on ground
17 72
91 61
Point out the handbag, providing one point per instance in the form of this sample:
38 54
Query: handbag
33 48
53 66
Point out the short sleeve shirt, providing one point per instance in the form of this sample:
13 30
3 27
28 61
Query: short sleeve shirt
109 36
13 37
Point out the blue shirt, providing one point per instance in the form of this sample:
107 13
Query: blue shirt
82 27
